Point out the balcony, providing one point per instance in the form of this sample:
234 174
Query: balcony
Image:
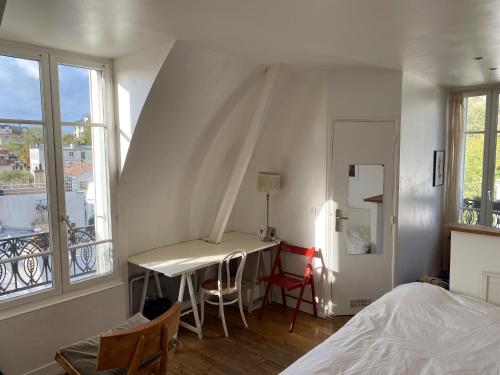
471 213
26 261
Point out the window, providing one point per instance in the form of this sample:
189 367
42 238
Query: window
49 104
81 98
481 160
68 185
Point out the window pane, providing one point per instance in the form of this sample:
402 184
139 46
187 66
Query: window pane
80 94
24 212
89 261
473 178
496 187
475 119
87 200
20 96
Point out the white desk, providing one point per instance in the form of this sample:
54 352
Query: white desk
184 258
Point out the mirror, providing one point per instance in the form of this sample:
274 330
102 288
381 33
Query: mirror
365 209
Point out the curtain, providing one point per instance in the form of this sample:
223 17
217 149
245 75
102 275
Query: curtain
453 176
454 147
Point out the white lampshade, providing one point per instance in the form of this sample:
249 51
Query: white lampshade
268 182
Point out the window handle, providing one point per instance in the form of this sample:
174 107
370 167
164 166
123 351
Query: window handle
489 196
64 219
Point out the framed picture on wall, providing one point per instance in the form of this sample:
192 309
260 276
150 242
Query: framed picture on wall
438 178
354 171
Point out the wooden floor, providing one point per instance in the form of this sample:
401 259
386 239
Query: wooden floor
265 347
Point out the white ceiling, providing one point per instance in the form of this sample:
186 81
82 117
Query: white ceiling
435 39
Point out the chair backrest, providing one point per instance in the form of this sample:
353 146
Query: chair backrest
307 252
224 269
144 345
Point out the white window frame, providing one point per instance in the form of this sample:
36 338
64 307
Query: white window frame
47 122
49 93
489 153
107 123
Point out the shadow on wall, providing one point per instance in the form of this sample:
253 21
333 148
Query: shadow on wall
293 143
184 146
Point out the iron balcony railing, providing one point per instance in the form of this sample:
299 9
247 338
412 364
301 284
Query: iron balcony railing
471 213
26 261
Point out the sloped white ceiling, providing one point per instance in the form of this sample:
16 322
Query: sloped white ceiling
434 39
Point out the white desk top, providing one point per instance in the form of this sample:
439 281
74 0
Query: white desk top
174 260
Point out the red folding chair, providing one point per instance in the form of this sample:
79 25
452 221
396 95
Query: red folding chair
289 281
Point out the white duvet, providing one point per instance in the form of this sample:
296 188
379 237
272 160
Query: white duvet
414 329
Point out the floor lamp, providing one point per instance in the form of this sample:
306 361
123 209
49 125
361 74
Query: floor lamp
268 183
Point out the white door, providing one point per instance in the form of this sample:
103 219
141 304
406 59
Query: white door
362 194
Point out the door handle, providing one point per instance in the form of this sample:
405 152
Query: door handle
338 220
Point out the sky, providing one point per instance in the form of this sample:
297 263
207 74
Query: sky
20 90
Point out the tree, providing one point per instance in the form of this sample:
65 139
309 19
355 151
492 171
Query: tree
19 144
84 137
18 176
474 147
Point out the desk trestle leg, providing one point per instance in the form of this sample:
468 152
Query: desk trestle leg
254 281
259 271
187 279
144 291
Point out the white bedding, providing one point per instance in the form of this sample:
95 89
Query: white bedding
414 329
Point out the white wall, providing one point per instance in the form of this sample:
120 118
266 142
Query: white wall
134 75
470 255
360 94
364 93
30 340
184 146
292 143
420 204
189 131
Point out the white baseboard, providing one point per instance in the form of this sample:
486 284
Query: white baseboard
51 368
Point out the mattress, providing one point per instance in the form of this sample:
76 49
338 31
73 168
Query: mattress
416 328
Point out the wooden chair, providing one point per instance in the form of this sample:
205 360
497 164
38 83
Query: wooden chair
131 348
224 287
290 281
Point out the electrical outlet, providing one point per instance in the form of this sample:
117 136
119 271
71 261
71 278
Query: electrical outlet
261 232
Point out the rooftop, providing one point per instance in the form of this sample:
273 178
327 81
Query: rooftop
77 169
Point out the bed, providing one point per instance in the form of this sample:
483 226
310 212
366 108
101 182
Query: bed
416 328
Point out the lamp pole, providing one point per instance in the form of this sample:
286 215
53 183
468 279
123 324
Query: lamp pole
267 238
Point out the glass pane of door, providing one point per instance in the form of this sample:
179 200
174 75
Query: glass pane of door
473 163
25 245
85 170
